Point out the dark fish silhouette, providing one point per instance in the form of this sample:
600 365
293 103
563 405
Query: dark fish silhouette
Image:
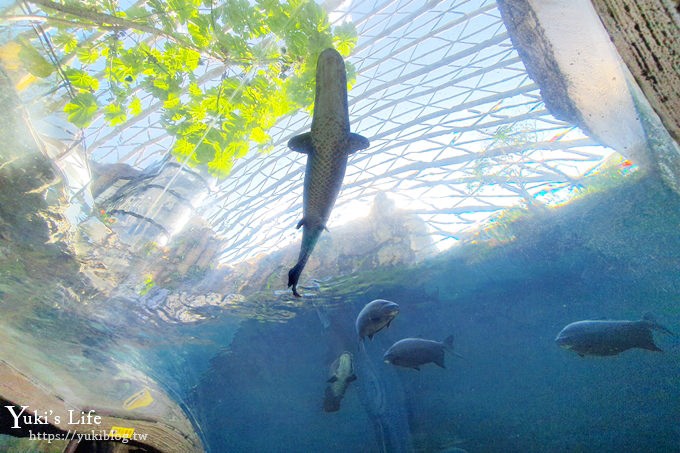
375 316
341 374
604 338
414 352
327 147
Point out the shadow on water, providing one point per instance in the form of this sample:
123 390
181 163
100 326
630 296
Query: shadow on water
383 398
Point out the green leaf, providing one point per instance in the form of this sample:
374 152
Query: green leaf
66 41
238 149
137 12
190 59
194 90
161 84
205 152
81 79
172 101
235 46
115 114
185 9
259 136
196 111
221 165
81 109
183 149
345 38
135 106
87 56
200 31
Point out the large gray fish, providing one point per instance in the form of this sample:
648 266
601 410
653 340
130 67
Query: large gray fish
603 338
375 316
414 352
341 374
327 147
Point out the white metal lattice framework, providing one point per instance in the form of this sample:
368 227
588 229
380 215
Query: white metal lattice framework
458 131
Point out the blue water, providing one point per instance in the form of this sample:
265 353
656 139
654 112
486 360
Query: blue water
614 255
251 385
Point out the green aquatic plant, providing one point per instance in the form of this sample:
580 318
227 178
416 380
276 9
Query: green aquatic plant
221 72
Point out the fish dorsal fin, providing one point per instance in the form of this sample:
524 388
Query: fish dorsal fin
356 142
302 143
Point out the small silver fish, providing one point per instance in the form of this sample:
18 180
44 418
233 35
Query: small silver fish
605 338
414 352
375 316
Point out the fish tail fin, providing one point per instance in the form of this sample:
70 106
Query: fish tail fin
653 323
294 277
653 347
440 360
331 401
448 345
649 344
448 342
647 339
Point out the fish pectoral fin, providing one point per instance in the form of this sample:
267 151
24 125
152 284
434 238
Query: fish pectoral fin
300 224
416 368
302 143
352 378
332 379
356 142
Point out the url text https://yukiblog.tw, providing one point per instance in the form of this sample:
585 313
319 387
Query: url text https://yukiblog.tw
117 434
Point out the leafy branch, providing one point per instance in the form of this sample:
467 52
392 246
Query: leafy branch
120 62
109 22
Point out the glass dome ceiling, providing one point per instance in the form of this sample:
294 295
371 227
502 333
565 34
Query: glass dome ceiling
458 132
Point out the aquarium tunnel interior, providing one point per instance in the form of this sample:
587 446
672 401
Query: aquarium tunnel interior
200 202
